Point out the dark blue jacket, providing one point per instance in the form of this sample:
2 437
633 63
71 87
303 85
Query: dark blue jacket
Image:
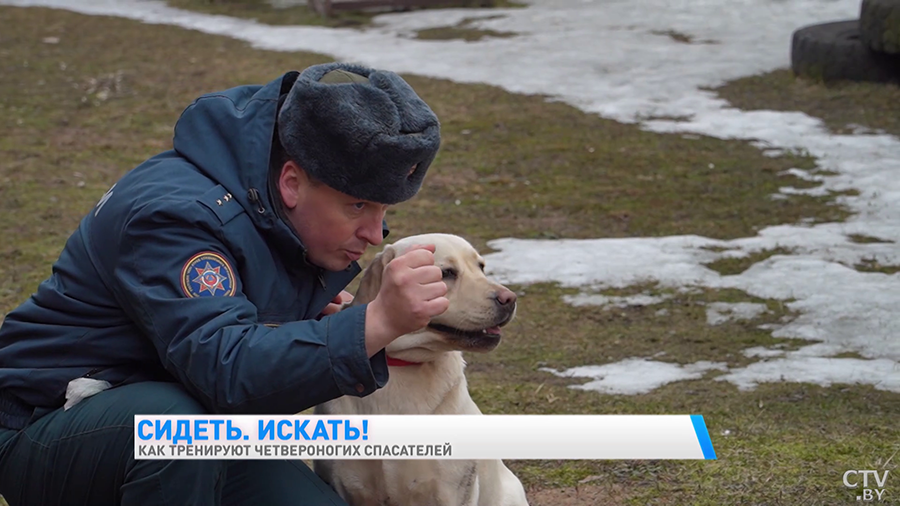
183 272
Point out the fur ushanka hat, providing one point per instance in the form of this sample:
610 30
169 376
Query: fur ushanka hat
361 131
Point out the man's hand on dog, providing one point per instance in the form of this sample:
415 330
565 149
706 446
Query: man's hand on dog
411 293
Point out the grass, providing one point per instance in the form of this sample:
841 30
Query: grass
779 444
675 328
784 443
737 265
681 37
466 34
540 169
78 113
263 12
844 107
865 239
873 265
462 31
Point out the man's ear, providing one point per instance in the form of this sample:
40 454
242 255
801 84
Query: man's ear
371 281
291 184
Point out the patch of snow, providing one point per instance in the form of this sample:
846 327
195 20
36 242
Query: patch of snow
721 312
591 299
762 352
635 375
598 56
883 374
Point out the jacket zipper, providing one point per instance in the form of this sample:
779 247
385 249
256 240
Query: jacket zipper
253 196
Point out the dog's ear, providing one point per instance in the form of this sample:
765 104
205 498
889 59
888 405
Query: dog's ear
371 281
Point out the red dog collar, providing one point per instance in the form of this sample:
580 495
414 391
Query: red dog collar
396 362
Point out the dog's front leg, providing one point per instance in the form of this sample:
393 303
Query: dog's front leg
500 487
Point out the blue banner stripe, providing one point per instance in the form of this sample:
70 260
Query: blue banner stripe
703 437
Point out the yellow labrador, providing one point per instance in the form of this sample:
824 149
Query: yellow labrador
426 377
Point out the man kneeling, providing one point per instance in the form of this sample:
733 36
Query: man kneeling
208 280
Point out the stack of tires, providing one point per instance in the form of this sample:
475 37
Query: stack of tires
864 49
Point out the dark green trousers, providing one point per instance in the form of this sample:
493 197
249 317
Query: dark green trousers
84 456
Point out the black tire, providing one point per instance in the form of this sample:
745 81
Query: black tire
834 52
879 25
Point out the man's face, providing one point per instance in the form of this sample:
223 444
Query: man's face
335 228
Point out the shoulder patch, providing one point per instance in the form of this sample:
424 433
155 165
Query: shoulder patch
207 274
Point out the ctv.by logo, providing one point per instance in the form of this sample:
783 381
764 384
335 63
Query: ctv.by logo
851 480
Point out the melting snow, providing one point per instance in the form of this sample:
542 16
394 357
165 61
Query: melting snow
587 299
721 312
635 375
614 58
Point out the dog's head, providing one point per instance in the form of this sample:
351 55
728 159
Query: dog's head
478 307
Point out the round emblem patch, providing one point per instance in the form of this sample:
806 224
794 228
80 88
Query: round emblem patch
207 274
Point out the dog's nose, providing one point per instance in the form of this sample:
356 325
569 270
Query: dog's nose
505 297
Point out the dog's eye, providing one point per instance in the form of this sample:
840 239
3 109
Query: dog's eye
482 267
448 273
